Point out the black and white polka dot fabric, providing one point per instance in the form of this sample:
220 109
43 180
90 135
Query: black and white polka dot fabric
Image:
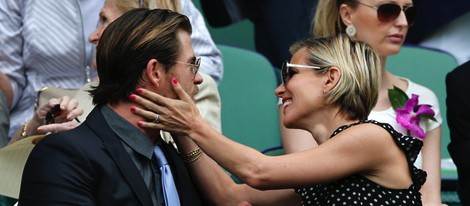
358 190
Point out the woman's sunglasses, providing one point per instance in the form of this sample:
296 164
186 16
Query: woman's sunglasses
389 12
287 73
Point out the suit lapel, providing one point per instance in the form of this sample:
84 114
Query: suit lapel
96 122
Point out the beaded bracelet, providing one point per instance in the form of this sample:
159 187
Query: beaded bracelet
192 156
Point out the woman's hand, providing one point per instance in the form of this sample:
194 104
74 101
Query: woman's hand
178 116
56 115
62 118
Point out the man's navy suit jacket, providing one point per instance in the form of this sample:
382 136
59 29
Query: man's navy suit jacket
89 166
458 119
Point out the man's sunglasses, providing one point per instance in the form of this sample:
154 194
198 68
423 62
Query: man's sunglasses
287 73
194 66
388 12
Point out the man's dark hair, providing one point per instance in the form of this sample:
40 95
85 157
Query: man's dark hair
127 45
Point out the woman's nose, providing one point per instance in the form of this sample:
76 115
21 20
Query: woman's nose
279 91
95 37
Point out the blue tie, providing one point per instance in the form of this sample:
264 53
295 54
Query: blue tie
168 183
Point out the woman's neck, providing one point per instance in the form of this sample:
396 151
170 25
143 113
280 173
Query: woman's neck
321 130
387 81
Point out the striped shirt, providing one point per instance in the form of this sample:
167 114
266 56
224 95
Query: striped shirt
202 43
45 43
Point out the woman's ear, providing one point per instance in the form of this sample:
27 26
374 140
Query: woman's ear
153 72
345 12
333 76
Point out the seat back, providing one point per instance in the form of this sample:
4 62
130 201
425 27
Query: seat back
427 67
249 105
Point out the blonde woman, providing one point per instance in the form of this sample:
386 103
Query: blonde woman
383 25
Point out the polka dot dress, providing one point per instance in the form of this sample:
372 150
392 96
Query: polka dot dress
358 190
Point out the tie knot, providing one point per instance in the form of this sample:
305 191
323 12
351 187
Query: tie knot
160 157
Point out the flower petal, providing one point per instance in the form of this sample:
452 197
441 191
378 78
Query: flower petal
404 119
412 102
425 109
409 105
418 131
415 128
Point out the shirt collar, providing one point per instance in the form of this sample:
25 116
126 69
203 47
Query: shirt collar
128 133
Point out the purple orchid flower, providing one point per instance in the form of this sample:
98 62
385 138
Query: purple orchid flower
410 115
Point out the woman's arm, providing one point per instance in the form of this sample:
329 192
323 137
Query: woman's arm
431 152
350 152
5 87
219 187
11 59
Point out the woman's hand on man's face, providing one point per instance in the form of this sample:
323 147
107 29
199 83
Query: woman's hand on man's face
174 115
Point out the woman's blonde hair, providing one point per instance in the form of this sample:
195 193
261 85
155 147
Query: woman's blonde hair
327 21
127 5
356 92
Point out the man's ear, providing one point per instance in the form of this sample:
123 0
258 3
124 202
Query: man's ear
153 72
333 76
345 12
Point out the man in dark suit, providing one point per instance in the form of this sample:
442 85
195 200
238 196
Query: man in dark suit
458 119
108 159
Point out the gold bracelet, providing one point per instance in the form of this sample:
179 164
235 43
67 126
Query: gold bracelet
192 156
23 130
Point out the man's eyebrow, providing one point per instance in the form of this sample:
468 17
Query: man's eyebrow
191 60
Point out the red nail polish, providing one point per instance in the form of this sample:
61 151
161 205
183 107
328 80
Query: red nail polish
174 80
133 108
139 123
132 97
139 91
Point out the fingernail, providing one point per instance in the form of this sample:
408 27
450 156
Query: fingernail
139 91
174 80
139 123
132 97
133 108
